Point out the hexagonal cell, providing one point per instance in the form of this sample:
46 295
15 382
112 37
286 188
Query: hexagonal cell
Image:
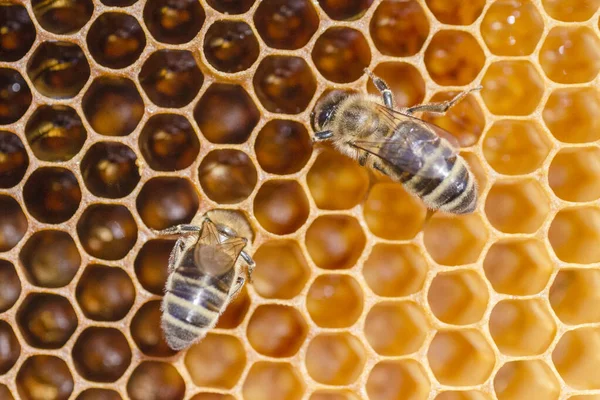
52 195
395 380
333 395
517 206
456 12
405 82
272 380
514 147
44 374
227 176
576 358
17 32
574 234
452 240
522 327
55 133
341 54
151 377
46 320
284 84
235 312
50 258
63 17
281 206
11 349
519 267
460 357
167 201
173 22
15 96
13 158
151 265
285 24
574 173
110 301
231 6
58 70
283 147
107 231
113 106
230 46
462 395
345 10
171 78
335 359
512 28
338 188
5 392
458 297
99 394
236 124
10 285
571 54
573 11
572 293
217 361
570 114
13 223
118 3
395 270
330 293
512 88
335 241
101 354
147 333
527 379
212 396
276 330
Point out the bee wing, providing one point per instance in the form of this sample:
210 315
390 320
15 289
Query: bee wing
210 233
218 259
233 247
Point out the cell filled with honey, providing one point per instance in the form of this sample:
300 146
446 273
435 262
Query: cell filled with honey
285 24
15 96
147 332
45 374
10 285
405 82
281 206
13 223
52 194
173 21
13 159
101 354
149 377
283 147
62 17
17 32
227 176
230 46
11 348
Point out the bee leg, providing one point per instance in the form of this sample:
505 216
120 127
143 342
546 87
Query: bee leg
175 253
386 93
251 265
362 159
430 213
440 108
379 168
237 286
179 230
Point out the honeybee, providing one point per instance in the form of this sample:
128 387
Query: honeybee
394 142
206 272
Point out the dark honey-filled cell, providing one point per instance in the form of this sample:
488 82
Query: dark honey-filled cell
42 374
173 21
343 10
330 293
235 312
230 46
171 78
11 349
283 147
113 106
15 96
227 176
335 241
17 32
231 6
52 194
101 354
151 265
13 223
63 17
5 392
276 330
58 70
118 3
341 54
272 380
13 160
110 170
284 84
456 12
286 24
99 394
46 321
10 285
165 202
116 40
110 301
404 80
281 206
152 377
55 133
147 332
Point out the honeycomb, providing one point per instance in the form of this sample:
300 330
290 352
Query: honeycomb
122 116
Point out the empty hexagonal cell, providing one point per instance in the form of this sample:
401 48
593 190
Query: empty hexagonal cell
574 174
10 285
217 361
395 270
285 24
151 377
15 96
111 300
13 223
458 297
107 231
572 293
283 147
451 240
212 396
512 28
151 264
281 206
46 320
395 380
333 395
276 330
18 32
511 88
99 394
574 234
341 54
231 6
173 22
284 84
405 82
11 349
147 333
272 380
460 357
230 46
171 78
52 195
58 70
227 176
231 127
330 293
235 312
515 147
101 354
571 54
13 158
570 114
456 12
345 10
527 379
335 359
63 17
576 358
164 202
335 241
573 11
517 206
44 374
113 106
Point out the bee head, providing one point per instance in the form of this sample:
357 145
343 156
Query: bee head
325 109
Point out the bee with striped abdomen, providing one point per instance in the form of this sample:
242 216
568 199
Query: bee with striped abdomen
206 272
394 142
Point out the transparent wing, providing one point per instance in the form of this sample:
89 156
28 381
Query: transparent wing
217 259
